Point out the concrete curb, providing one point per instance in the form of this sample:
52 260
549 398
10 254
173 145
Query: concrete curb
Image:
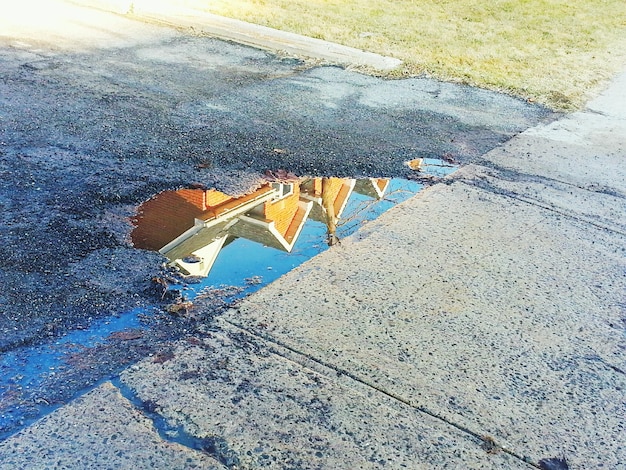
246 33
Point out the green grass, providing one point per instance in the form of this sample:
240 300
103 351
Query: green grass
556 52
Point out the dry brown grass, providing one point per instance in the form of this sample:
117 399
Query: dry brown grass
556 52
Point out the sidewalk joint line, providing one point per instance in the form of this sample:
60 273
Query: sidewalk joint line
536 203
484 439
516 176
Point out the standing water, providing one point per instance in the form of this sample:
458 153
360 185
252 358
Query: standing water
217 243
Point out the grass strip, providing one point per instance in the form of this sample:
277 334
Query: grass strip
555 52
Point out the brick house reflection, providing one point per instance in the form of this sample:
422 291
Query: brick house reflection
191 226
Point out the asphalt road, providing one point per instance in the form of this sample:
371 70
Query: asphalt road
99 112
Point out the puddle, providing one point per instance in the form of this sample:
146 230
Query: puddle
221 245
215 239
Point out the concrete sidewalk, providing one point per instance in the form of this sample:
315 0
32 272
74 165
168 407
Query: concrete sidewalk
479 325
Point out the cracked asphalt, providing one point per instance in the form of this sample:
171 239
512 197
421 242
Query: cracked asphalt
478 325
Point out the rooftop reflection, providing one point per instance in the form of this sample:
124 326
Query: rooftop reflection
264 234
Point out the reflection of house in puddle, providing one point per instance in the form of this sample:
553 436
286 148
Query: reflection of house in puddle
191 226
337 191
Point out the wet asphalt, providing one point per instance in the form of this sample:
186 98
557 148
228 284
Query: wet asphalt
93 124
